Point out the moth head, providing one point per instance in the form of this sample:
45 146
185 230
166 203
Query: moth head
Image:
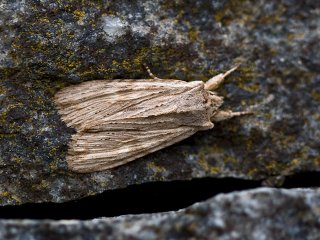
217 114
216 101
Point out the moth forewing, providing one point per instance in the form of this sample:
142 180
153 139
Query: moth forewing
114 151
118 121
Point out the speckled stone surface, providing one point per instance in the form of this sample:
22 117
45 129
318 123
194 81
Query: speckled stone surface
47 45
260 214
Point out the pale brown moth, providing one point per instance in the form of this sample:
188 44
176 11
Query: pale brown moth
118 121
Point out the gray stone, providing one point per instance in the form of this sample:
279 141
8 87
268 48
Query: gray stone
47 45
259 214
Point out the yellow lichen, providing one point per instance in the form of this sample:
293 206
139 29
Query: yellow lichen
252 172
295 162
212 170
5 194
44 184
18 160
193 35
9 196
79 13
231 11
155 168
44 20
315 94
272 166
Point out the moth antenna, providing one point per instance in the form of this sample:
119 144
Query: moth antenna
150 73
224 115
214 82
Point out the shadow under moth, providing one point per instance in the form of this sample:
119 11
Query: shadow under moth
118 121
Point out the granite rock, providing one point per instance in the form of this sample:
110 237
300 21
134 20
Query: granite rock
260 214
47 45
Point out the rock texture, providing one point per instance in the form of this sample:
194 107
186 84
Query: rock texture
257 214
47 45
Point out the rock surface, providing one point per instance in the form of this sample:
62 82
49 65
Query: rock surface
47 45
260 214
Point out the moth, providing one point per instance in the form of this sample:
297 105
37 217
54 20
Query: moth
118 121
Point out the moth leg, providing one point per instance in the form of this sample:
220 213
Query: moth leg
214 82
224 115
150 73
